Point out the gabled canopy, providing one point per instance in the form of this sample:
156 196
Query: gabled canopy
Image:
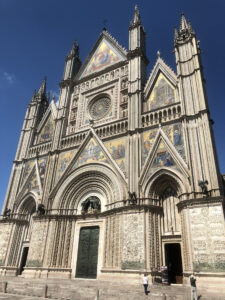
105 53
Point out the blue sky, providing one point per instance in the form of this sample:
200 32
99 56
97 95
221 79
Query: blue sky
37 35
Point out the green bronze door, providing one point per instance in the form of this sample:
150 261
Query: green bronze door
88 252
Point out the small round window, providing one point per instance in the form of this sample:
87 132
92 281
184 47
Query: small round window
99 107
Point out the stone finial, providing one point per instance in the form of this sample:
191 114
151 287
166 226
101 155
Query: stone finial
137 18
158 53
42 89
75 49
183 23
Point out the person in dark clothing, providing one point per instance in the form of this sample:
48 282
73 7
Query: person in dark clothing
193 288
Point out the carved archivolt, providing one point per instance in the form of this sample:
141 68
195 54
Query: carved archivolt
27 204
94 179
163 178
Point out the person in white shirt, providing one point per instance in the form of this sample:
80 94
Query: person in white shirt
145 284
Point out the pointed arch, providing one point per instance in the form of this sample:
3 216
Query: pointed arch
156 184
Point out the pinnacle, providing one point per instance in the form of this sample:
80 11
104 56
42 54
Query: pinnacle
75 49
183 23
137 18
42 89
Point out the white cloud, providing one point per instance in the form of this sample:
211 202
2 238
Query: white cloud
9 77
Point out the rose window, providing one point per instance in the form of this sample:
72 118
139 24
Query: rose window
99 107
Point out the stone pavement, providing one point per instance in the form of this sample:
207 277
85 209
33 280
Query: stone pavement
18 297
78 289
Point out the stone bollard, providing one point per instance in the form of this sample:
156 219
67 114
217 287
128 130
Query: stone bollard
45 291
164 296
97 295
5 287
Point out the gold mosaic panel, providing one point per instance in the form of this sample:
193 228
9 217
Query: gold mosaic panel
162 94
104 56
117 149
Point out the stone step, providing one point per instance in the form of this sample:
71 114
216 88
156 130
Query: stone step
76 289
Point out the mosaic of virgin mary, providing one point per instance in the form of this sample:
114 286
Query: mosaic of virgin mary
103 57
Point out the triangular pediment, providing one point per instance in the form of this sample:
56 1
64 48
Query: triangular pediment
163 154
45 130
105 53
91 151
32 182
160 89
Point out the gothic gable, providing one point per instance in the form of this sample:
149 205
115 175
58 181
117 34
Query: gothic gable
91 151
163 154
161 89
45 130
33 182
105 53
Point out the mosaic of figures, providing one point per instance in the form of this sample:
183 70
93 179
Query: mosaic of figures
63 162
175 135
28 167
103 57
148 140
173 132
91 153
117 149
32 184
163 93
42 163
162 158
47 131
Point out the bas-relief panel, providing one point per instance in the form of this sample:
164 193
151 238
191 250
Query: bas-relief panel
162 94
117 149
63 162
133 242
47 131
91 153
104 56
208 239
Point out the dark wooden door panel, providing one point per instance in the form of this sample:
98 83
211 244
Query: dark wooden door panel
88 252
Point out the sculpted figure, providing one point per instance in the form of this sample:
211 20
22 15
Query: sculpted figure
203 186
41 209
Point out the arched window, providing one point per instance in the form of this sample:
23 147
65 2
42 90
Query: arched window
171 218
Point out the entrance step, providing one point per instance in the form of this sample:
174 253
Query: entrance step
77 289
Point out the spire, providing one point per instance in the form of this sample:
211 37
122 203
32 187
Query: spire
185 32
42 89
137 18
183 23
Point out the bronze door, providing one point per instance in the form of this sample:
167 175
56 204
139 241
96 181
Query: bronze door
88 252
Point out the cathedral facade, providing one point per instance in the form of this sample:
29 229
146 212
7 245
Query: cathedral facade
121 176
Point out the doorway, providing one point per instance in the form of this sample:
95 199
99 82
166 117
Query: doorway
23 260
87 258
174 263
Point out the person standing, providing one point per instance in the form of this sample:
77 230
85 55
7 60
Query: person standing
145 284
193 288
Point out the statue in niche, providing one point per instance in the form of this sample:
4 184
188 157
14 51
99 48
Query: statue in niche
203 186
91 205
